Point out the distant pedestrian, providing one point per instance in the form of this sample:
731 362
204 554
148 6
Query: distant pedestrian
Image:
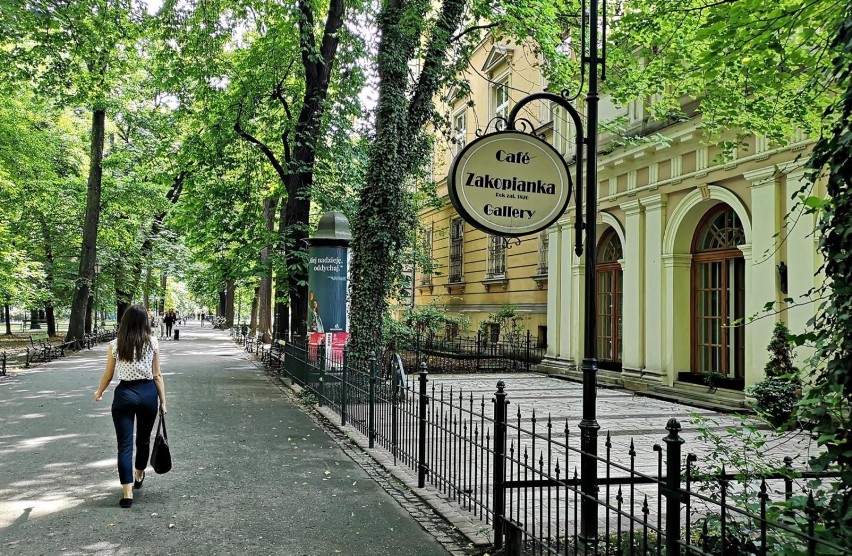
161 324
170 319
202 319
135 356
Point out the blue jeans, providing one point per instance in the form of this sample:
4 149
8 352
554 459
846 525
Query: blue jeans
134 400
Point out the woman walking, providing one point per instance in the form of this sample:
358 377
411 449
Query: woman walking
170 319
135 356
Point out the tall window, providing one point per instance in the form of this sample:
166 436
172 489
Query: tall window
496 257
459 131
456 249
609 300
500 97
718 295
428 234
543 242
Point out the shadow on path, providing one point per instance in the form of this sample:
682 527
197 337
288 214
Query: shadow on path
253 474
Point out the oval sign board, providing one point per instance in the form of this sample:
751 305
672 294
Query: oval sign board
509 184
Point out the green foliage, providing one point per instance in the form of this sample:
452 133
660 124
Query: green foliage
776 399
826 406
512 324
780 364
434 319
776 395
753 65
741 450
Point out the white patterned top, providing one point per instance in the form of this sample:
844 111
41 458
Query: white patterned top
138 369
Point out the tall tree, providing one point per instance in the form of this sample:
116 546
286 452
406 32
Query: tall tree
76 52
273 74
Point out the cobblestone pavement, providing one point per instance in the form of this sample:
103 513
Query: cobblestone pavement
625 416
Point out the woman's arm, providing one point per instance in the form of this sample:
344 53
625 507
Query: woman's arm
108 373
158 382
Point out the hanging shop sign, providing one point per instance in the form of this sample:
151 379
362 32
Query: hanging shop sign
509 184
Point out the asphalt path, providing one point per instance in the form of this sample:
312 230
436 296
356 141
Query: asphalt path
253 472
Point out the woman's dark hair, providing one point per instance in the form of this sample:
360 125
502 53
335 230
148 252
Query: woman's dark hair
134 333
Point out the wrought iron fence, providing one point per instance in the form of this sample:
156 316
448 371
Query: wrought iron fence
460 354
520 475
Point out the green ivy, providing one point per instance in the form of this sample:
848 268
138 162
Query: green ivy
825 406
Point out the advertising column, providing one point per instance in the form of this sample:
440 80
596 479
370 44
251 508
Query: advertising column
328 281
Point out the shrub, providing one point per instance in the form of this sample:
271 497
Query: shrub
777 395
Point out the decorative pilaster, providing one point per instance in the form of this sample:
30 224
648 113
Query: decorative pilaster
801 258
566 308
761 286
655 302
633 329
678 319
554 299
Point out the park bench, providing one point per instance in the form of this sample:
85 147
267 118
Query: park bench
251 340
42 348
276 355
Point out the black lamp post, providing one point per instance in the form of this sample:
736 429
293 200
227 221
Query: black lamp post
584 226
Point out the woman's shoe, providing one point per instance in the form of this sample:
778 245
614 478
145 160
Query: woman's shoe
138 484
125 502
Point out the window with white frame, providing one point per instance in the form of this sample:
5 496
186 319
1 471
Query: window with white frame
500 97
564 138
459 134
496 257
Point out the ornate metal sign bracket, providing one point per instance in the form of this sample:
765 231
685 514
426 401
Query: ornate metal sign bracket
525 126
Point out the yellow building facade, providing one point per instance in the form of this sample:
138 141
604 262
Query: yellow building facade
692 245
476 274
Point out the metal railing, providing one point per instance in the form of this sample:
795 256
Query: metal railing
519 474
473 354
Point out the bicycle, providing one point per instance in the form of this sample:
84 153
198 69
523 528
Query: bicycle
394 373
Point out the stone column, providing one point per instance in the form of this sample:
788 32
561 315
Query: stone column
761 286
578 273
655 302
677 315
633 328
753 306
567 299
802 258
554 281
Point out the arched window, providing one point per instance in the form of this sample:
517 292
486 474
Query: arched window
608 301
718 296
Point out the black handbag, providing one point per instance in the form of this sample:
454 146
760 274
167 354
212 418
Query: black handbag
161 456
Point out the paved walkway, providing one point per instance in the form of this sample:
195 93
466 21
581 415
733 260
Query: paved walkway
253 473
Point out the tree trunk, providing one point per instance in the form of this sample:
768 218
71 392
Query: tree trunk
48 282
83 287
161 305
229 303
34 325
8 319
254 305
89 308
220 310
146 291
385 218
264 299
51 318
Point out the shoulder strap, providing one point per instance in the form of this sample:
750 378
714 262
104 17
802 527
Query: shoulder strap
162 425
